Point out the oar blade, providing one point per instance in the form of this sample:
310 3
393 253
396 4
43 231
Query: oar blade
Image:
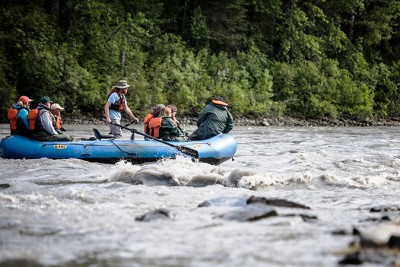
188 151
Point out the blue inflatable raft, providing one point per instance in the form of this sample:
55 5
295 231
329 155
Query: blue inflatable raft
215 150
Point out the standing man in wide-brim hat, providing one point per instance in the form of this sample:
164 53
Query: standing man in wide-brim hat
116 102
214 119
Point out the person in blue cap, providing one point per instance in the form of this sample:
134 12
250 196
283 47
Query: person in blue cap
45 129
214 119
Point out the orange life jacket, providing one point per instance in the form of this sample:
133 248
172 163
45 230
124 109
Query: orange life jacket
32 117
146 121
58 121
154 125
34 123
12 116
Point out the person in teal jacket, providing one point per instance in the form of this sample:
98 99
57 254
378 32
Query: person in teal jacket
214 119
19 114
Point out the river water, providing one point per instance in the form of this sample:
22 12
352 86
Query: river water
76 213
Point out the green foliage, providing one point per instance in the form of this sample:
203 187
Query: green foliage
175 75
301 36
199 29
387 96
322 91
8 92
312 59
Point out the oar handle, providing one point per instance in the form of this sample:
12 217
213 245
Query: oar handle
132 122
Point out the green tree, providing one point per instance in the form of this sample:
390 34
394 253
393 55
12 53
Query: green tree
199 29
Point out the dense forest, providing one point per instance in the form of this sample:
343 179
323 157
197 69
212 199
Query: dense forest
267 58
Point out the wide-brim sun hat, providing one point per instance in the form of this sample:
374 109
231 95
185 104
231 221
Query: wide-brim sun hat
121 84
219 101
56 106
24 99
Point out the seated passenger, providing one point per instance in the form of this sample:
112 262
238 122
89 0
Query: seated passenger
55 109
44 129
152 121
174 110
168 130
18 116
214 119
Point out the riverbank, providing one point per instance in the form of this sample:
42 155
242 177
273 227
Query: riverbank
284 121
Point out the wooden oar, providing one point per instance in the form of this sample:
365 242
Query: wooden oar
185 150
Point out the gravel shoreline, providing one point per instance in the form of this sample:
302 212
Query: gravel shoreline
287 121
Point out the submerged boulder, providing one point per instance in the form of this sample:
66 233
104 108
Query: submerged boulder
276 202
251 212
4 186
377 244
384 208
158 214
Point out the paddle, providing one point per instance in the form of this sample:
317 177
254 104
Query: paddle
185 150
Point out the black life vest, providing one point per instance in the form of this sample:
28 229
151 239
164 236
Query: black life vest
119 105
